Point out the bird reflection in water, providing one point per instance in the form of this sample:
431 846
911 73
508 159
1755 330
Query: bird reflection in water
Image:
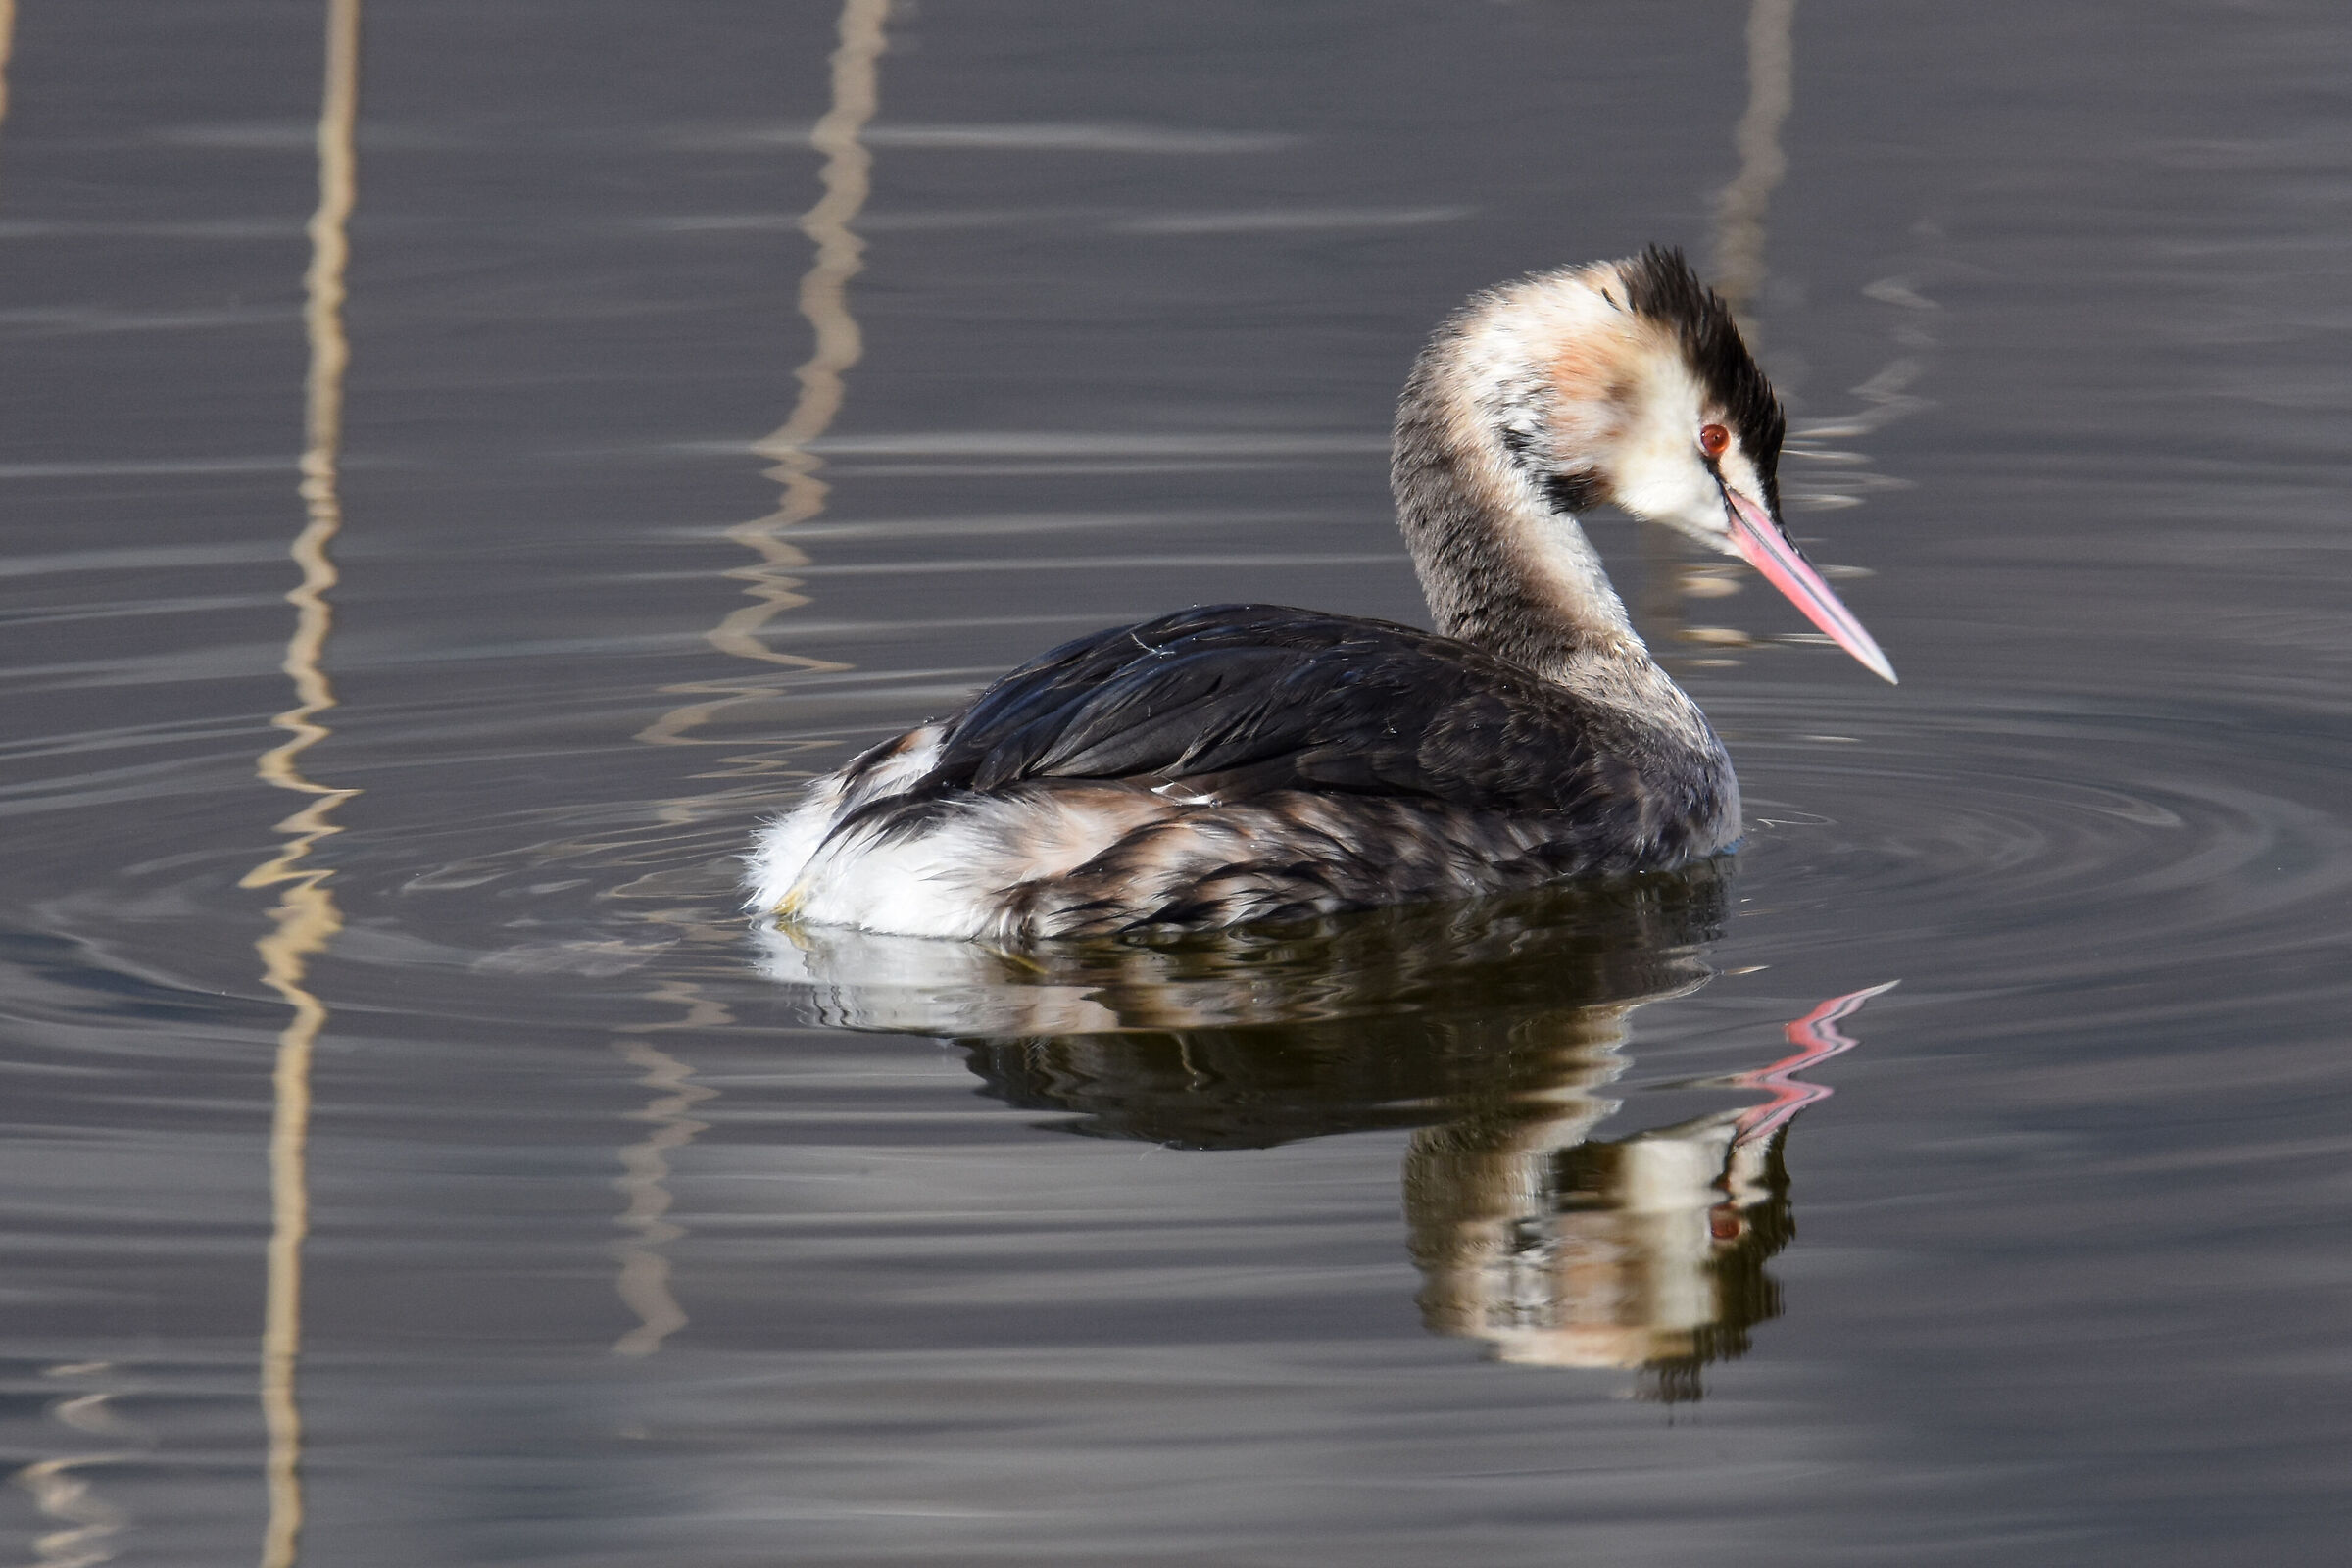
1494 1030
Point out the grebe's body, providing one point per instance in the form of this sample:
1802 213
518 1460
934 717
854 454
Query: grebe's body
1246 762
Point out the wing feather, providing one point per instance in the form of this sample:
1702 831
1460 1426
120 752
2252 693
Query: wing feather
1235 701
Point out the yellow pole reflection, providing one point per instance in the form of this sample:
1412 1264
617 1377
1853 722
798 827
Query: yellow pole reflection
644 1281
87 1523
87 1518
1741 205
767 580
8 41
1668 578
306 917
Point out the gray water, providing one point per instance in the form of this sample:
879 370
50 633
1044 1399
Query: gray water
412 1156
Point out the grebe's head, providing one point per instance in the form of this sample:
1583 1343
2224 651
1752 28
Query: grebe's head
1627 382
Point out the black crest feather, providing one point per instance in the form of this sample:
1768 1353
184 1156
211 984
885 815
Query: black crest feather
1660 285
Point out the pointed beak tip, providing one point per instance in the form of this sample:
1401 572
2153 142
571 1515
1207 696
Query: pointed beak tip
1865 652
1758 538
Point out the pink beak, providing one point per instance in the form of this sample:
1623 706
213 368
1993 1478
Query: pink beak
1763 545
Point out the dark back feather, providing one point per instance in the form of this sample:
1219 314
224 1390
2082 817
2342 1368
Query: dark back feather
1239 701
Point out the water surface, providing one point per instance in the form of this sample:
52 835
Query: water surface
464 464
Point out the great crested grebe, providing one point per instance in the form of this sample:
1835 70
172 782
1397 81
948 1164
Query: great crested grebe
1242 762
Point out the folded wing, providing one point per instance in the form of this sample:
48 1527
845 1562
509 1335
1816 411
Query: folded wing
1233 702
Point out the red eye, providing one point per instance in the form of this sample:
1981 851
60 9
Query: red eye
1712 439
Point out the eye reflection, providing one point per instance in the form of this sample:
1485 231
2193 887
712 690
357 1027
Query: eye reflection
1495 1031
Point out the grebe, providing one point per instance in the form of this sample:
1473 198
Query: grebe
1232 764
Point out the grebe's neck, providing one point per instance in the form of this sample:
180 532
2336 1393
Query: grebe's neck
1488 503
1497 444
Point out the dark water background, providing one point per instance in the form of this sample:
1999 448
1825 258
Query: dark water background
405 1140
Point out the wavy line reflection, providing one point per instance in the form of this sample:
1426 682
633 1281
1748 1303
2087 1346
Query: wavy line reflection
1495 1031
643 1283
306 916
89 1525
1669 576
8 43
1740 206
769 582
644 1280
1814 476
